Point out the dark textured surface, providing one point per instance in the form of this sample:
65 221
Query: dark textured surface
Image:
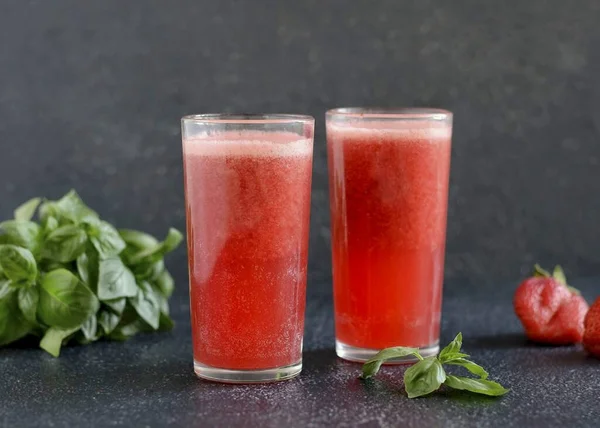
90 97
91 94
149 382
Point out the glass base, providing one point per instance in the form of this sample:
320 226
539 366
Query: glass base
360 355
216 374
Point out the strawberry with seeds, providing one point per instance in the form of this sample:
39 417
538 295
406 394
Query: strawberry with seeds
591 337
551 311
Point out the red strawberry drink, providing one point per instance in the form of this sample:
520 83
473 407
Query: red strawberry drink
247 182
388 175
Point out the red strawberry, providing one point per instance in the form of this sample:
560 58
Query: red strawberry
550 310
591 336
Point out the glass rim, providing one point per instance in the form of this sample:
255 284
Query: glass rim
385 113
247 118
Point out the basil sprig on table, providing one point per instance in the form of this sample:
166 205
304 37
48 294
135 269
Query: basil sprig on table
428 374
72 276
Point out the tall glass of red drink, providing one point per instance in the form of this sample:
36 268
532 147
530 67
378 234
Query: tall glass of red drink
388 181
247 186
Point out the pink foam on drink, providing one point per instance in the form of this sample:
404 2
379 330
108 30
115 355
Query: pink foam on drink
249 144
407 131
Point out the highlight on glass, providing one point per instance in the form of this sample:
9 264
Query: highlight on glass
247 185
388 180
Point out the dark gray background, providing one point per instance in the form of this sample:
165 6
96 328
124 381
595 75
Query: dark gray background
91 93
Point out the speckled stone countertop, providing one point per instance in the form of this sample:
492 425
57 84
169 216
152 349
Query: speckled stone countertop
149 382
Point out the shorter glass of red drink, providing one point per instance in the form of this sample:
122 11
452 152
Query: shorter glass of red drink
247 187
388 181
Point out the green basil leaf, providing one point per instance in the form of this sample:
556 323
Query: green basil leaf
25 211
47 209
13 325
82 263
479 386
125 331
49 224
106 239
88 266
165 283
46 265
129 314
115 280
163 302
116 305
22 233
154 254
146 304
65 301
5 288
90 329
451 356
166 323
71 207
372 366
65 244
18 264
28 298
452 350
137 240
148 270
476 369
53 339
424 377
108 320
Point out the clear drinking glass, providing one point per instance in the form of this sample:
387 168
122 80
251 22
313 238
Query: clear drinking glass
388 181
247 186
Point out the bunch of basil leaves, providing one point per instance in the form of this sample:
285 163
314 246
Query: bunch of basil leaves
72 276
